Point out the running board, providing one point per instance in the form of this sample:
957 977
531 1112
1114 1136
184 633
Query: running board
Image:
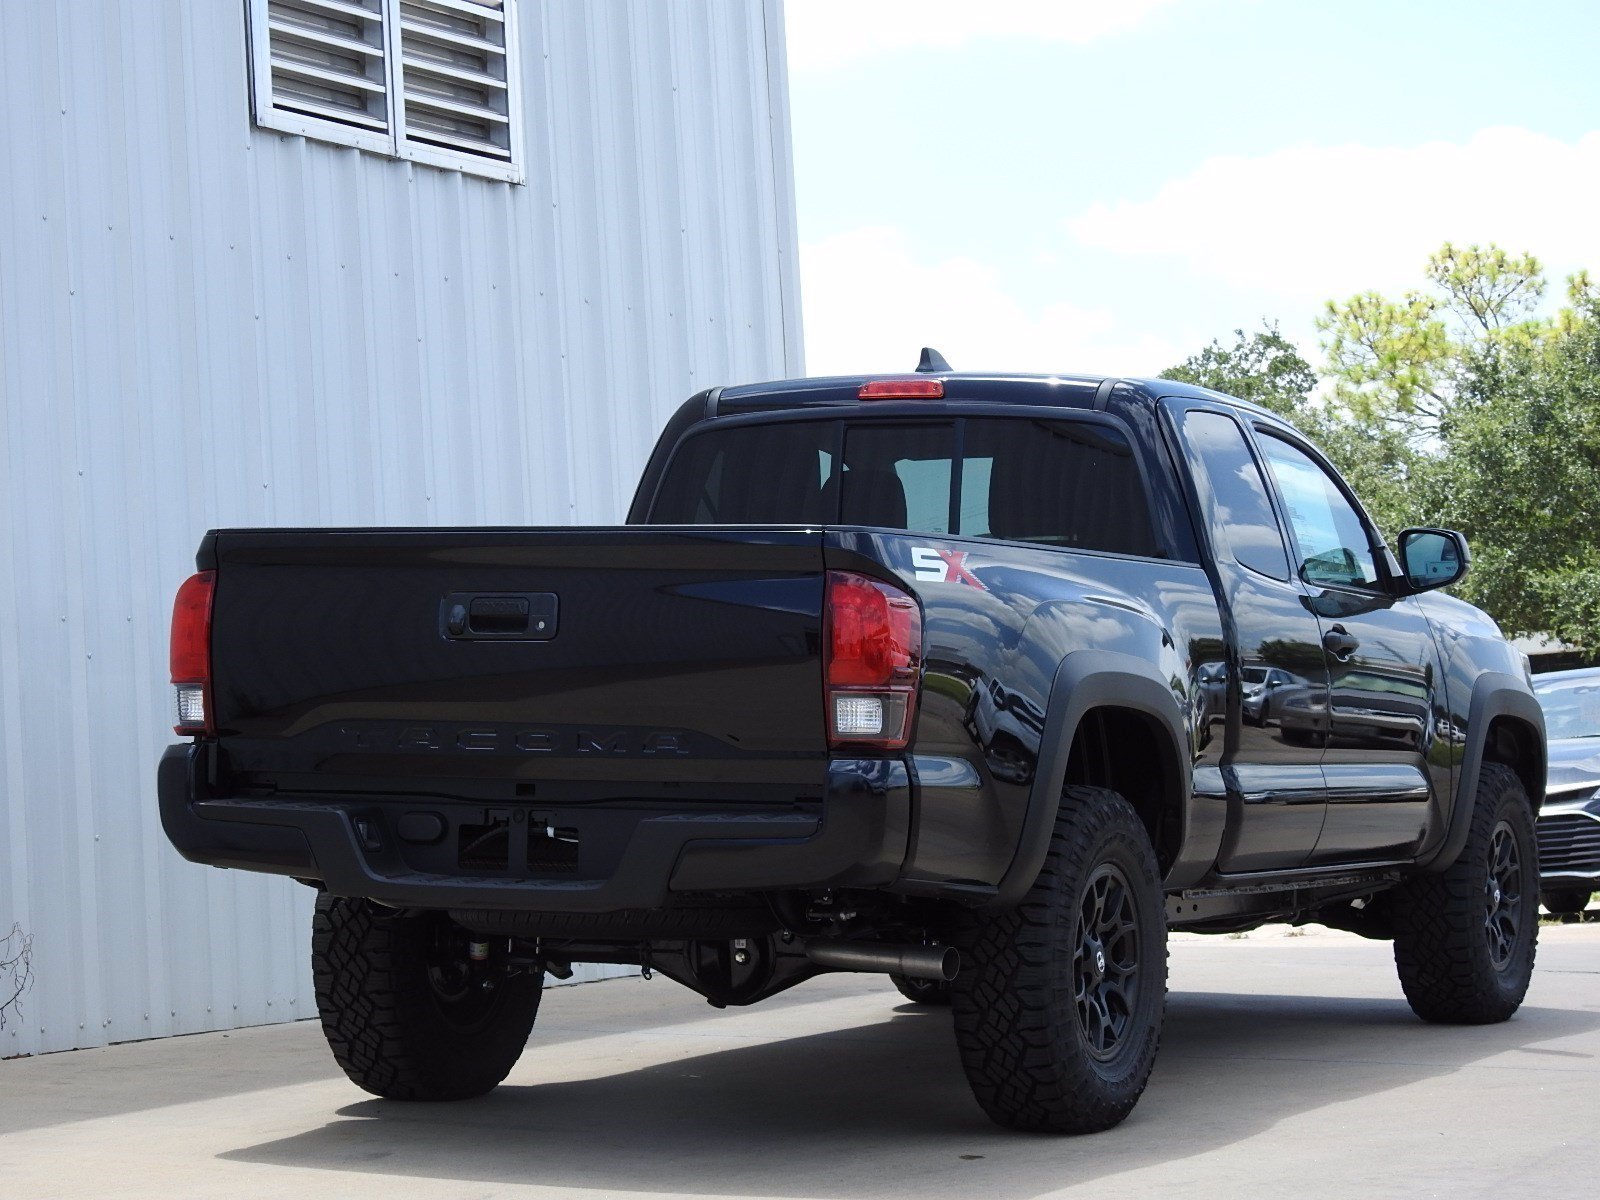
1257 898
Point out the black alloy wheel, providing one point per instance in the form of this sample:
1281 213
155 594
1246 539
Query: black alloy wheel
1105 966
1503 896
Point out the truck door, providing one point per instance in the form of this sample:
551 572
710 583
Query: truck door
1382 666
1272 765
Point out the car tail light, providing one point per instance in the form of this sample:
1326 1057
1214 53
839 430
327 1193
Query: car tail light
191 654
874 663
901 389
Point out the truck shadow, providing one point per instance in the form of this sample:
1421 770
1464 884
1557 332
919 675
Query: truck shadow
883 1109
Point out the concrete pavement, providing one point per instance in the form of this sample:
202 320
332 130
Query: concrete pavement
1291 1066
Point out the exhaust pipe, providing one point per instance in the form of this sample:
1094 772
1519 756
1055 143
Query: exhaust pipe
936 963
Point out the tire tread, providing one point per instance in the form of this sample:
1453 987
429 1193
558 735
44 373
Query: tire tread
1015 1024
380 1018
1439 949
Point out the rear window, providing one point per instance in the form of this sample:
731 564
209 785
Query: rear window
1057 482
750 475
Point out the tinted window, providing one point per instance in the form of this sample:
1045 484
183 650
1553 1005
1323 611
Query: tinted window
753 475
897 476
1056 482
1234 494
1061 483
1332 541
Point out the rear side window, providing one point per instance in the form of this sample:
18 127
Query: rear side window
1055 482
1237 507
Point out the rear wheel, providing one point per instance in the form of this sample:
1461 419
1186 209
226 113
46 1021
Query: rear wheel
1566 902
1059 1001
1465 938
407 1011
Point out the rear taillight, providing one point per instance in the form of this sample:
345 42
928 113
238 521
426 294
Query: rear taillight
191 654
874 666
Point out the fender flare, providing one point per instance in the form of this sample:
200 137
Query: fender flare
1494 694
1085 680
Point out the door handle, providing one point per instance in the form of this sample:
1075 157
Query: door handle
1339 643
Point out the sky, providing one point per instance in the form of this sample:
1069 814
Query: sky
1085 186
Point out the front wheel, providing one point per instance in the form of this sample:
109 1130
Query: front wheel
409 1011
1465 938
1059 1002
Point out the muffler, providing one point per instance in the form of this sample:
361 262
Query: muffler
937 963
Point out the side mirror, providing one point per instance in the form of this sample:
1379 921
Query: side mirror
1432 558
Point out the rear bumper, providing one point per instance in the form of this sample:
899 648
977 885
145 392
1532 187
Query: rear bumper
353 844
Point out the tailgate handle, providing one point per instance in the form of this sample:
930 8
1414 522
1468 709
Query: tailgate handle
498 616
518 616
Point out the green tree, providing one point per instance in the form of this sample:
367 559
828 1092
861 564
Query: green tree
1268 369
1520 476
1401 363
1460 404
1263 367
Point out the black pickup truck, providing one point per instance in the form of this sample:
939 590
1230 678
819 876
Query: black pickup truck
981 682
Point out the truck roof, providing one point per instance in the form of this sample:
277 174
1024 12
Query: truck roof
1052 391
843 393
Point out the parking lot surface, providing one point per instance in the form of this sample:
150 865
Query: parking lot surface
1290 1066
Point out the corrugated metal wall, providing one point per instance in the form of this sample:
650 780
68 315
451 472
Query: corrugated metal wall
206 324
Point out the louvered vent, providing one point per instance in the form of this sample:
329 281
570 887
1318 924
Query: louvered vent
433 81
453 70
327 60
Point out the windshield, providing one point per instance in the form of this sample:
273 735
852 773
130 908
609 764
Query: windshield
1255 674
1571 706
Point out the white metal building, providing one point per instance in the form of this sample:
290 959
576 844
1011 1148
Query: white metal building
269 262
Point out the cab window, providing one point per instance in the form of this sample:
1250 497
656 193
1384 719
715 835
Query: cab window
1330 536
1234 494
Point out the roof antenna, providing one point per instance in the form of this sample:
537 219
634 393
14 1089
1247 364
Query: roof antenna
932 362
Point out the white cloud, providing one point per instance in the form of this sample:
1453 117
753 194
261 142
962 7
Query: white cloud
1323 222
824 33
870 305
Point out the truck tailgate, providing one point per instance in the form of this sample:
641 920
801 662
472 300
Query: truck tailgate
571 664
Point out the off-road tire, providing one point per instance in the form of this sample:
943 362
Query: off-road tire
1022 1041
1566 902
1444 946
384 1016
933 992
